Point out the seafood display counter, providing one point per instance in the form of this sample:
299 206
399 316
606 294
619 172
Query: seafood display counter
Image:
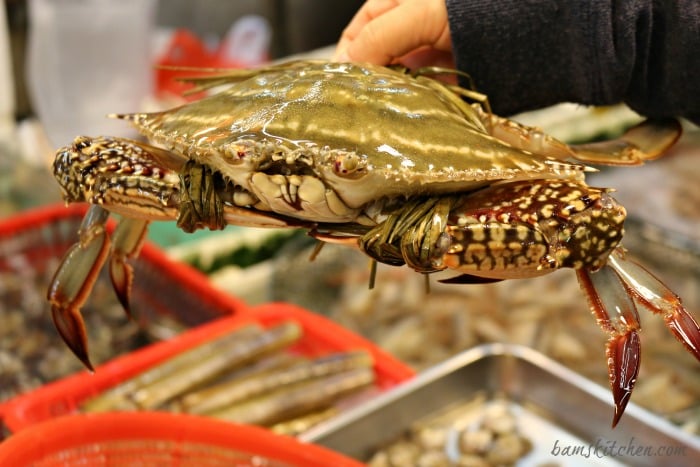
228 350
289 368
498 405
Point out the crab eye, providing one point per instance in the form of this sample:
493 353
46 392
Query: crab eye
348 164
81 142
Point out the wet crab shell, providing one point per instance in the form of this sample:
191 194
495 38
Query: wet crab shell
366 132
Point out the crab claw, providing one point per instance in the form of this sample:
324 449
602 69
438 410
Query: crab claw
617 315
127 240
623 353
686 330
74 279
612 292
657 297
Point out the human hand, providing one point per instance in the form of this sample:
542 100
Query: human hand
413 33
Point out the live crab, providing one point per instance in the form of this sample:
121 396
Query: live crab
407 168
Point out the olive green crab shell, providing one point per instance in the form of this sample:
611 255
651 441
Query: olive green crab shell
367 132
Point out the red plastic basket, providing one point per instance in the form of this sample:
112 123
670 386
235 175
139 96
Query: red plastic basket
162 287
152 438
50 231
320 336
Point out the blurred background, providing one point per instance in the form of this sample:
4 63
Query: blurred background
295 26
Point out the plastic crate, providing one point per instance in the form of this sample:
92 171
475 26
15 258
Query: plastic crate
320 336
35 240
152 438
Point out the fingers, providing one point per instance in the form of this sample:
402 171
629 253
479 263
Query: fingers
369 11
426 56
385 30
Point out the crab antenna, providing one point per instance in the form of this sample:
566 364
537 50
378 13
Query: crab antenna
317 249
372 273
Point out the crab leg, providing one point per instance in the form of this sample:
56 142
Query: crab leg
75 278
643 142
617 315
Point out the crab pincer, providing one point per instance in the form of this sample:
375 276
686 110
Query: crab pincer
617 316
80 268
74 279
612 292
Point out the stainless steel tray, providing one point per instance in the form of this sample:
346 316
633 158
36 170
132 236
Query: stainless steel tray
555 407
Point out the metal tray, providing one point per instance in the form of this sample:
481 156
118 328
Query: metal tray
555 408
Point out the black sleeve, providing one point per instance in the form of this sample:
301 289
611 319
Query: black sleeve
527 54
